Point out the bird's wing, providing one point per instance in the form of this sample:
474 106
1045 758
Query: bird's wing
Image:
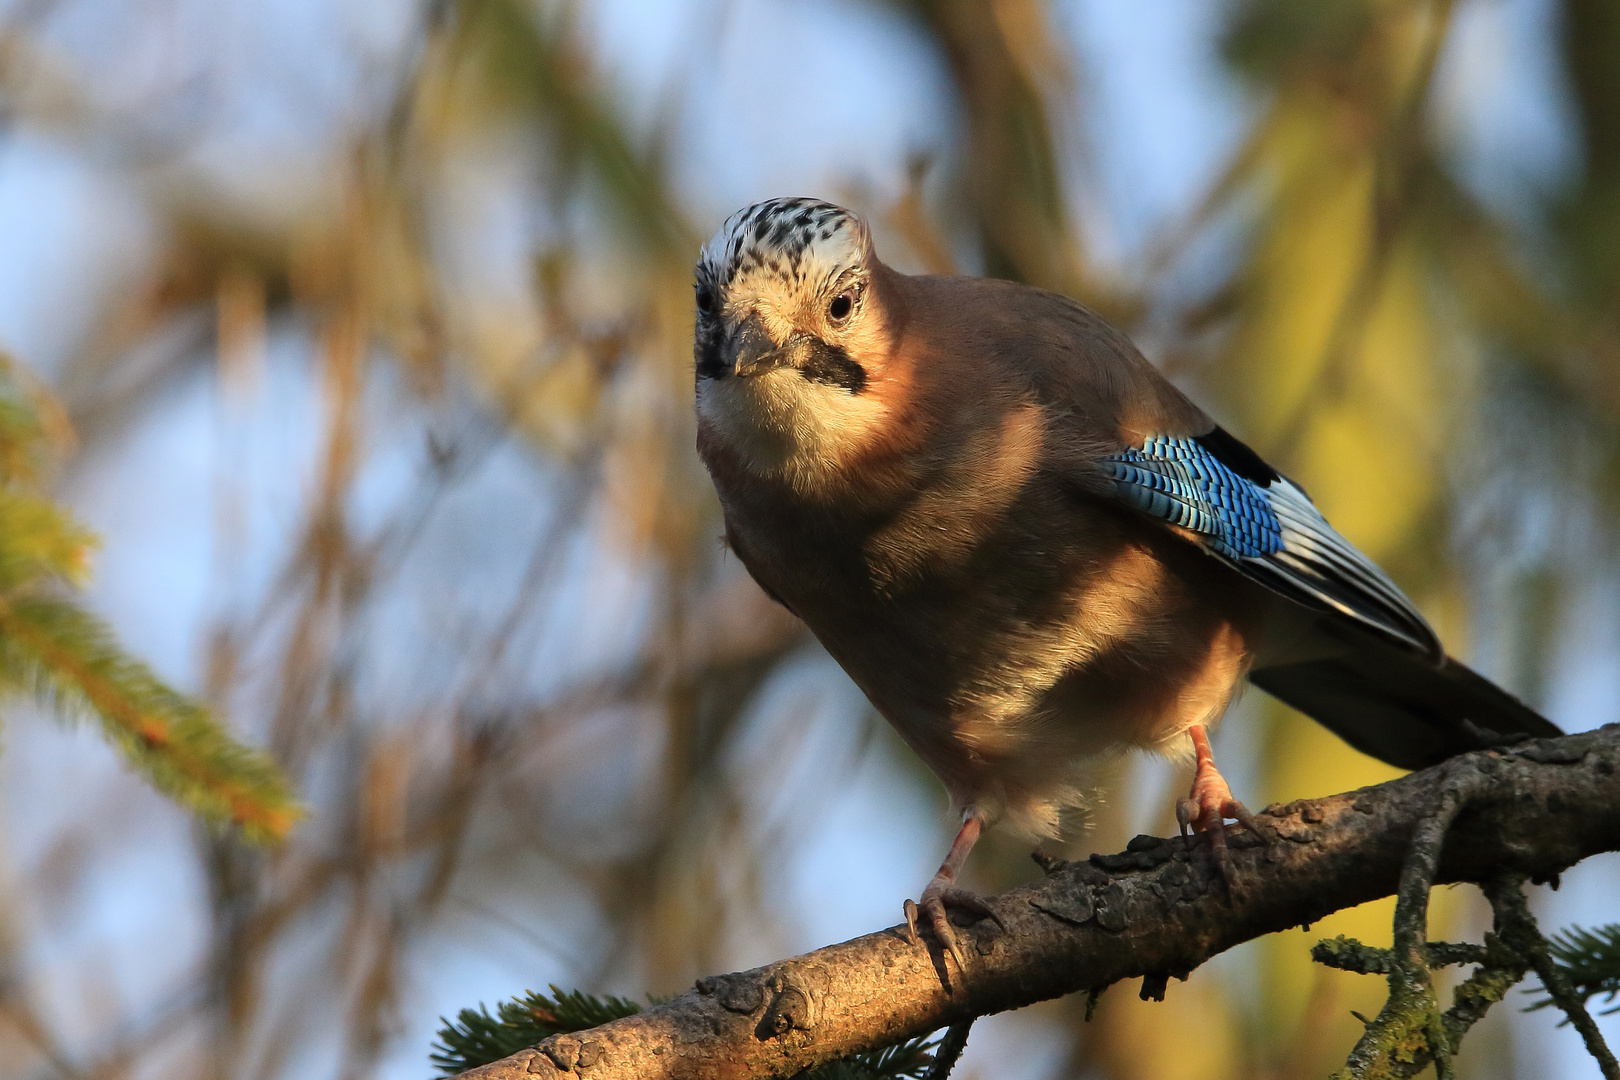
1248 515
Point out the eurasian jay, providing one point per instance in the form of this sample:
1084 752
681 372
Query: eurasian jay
1024 544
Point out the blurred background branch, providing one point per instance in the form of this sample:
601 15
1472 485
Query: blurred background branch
371 328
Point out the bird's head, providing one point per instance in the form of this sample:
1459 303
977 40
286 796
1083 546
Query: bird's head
792 336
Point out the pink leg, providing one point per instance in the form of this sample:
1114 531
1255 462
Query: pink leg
1210 802
943 890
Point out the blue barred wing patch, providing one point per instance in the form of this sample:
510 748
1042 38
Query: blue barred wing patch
1178 481
1267 529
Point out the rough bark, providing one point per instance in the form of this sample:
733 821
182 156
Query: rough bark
1159 909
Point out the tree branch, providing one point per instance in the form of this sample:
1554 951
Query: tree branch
1161 908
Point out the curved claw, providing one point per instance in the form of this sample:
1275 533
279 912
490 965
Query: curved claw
935 899
1211 817
943 890
1187 812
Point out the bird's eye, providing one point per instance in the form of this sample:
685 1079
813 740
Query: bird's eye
705 299
841 306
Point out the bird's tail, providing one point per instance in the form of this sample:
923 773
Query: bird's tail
1399 707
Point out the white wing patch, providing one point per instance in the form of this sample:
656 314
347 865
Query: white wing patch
1316 560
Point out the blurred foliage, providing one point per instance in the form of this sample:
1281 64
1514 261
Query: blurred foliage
69 660
539 717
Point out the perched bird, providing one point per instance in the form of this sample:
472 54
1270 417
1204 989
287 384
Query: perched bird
1024 544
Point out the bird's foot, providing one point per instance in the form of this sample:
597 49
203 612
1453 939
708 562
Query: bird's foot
939 895
1210 804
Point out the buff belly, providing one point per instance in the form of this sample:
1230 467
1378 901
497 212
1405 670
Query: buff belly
1016 663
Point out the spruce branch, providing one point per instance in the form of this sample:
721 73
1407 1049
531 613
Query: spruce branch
25 438
39 541
476 1038
921 1058
70 659
1159 909
1590 962
1526 937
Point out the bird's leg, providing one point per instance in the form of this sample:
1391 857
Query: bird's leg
943 890
1210 802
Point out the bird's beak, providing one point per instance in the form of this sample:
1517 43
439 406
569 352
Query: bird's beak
753 351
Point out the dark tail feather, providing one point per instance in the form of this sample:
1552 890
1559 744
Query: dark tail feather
1399 708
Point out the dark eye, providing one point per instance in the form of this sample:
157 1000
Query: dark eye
705 299
841 306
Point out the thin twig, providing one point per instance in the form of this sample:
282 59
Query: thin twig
950 1050
1527 937
1410 1021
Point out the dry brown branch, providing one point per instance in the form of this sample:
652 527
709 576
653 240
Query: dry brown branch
1157 910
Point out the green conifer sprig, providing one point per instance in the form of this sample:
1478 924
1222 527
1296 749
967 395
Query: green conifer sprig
909 1060
24 440
476 1038
70 660
1590 960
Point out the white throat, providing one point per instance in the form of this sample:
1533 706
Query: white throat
788 427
